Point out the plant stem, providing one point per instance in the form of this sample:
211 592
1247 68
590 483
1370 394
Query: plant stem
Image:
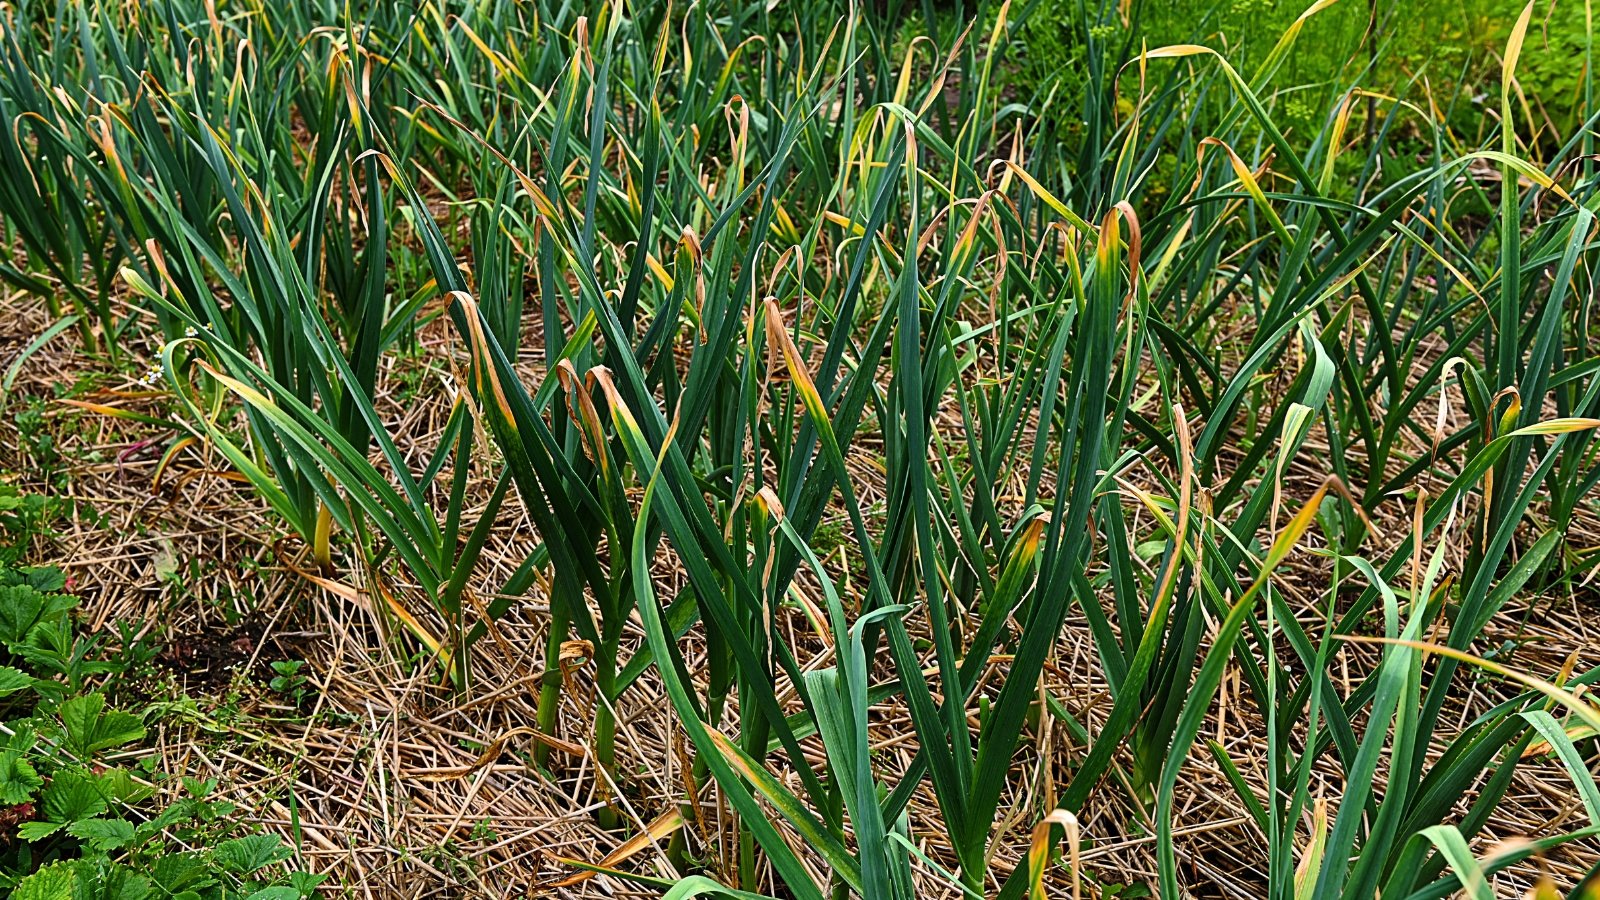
549 708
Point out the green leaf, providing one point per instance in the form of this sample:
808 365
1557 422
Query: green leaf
179 873
18 779
122 883
119 786
71 796
1555 735
20 609
53 882
22 737
1453 847
247 854
88 729
38 831
701 886
275 893
13 680
103 834
47 579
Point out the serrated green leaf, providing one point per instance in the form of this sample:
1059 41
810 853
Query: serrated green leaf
22 737
89 727
48 579
38 831
178 873
275 893
53 882
13 680
20 609
18 778
71 796
122 883
247 854
103 834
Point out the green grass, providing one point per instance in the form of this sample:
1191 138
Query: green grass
1086 329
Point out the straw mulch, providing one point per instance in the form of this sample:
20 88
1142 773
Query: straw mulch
398 787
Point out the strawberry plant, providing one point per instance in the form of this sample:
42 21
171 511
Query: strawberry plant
75 820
